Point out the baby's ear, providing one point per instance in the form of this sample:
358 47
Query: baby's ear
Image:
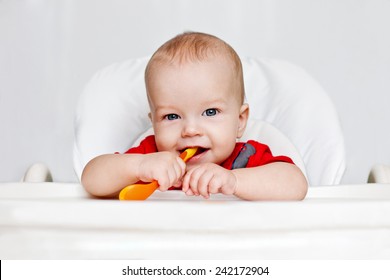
243 119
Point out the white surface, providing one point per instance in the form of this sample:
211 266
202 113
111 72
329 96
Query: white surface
47 57
58 221
112 113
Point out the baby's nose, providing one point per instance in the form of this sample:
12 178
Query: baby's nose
191 129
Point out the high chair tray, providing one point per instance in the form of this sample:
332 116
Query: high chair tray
60 221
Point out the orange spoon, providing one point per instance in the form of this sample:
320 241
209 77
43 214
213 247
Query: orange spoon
143 191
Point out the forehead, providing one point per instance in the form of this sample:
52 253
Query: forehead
214 75
162 62
222 61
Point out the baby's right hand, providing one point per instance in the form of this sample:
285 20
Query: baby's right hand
165 167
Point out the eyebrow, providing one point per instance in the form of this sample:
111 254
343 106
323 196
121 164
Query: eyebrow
218 101
165 108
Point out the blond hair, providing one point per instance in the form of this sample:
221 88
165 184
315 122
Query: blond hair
195 46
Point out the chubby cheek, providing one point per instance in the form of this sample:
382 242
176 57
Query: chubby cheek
224 147
228 149
165 141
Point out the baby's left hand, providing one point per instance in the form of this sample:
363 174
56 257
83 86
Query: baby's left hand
209 178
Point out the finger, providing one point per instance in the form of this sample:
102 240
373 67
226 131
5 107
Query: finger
175 172
189 192
215 184
172 176
196 174
182 165
203 184
186 180
180 169
164 181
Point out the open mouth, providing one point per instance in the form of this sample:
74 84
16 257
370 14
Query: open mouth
200 150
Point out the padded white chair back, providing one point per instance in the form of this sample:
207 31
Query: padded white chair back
113 113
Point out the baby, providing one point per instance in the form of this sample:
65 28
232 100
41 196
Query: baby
195 89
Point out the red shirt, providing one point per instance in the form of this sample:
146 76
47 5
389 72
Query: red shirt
249 154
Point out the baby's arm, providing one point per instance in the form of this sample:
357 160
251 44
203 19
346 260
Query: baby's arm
106 175
274 181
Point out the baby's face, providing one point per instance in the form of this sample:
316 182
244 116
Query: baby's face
197 104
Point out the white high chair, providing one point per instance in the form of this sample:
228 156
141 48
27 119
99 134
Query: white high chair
289 112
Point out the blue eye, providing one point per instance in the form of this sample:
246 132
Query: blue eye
171 117
210 112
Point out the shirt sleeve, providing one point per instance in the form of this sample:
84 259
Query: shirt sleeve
148 145
264 155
